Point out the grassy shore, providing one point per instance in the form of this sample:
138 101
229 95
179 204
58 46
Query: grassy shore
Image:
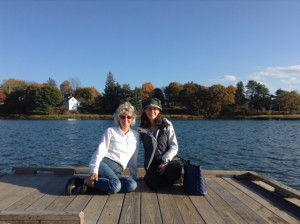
275 117
174 117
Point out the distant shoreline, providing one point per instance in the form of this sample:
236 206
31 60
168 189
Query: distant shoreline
175 117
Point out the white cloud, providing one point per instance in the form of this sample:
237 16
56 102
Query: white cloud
225 80
285 78
282 72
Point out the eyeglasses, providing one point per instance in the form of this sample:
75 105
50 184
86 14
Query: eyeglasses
124 117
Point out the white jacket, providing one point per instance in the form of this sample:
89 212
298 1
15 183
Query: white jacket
119 147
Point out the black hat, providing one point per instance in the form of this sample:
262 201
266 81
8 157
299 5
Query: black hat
152 102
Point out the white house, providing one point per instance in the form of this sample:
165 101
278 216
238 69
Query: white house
70 104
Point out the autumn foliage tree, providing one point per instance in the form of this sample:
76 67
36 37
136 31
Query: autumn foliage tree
12 85
219 99
192 97
147 89
3 97
172 92
66 88
18 96
87 96
291 101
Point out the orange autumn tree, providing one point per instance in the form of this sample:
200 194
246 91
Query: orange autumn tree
87 96
3 97
147 89
12 85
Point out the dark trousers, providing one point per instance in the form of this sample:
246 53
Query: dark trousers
155 181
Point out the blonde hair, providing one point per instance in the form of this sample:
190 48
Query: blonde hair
123 109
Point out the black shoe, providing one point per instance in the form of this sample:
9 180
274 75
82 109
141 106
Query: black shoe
84 189
73 184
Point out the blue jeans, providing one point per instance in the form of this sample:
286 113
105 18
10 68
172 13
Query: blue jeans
111 180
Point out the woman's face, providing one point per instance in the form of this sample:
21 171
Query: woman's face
125 121
152 112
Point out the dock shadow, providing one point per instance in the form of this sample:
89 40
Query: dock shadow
51 184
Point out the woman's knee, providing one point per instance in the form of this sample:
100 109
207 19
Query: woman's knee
115 186
132 186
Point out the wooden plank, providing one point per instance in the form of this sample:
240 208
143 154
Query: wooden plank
266 203
46 190
150 210
79 203
224 210
8 180
229 200
131 209
94 208
242 209
226 173
60 203
279 187
47 195
170 214
112 209
258 208
141 172
206 210
85 170
187 209
21 189
294 201
11 187
33 216
55 170
11 182
282 204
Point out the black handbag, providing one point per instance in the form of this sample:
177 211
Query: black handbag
194 182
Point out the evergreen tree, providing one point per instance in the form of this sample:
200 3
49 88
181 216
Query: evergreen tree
42 99
258 95
14 103
240 98
112 94
159 94
51 82
136 99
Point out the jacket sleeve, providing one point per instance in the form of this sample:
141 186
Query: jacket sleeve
132 165
100 152
172 141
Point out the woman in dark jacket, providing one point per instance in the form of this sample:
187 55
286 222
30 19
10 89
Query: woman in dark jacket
160 146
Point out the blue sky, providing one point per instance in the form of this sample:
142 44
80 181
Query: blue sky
159 41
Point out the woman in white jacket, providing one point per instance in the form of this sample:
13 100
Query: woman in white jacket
117 149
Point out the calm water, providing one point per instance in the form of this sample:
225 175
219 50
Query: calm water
269 147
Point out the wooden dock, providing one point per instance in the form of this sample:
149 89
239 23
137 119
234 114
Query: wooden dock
36 195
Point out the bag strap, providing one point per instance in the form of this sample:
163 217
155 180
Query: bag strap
154 143
185 161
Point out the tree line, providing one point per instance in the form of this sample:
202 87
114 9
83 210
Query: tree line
21 97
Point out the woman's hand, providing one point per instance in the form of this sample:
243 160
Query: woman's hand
94 177
161 168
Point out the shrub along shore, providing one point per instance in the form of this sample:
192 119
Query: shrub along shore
173 116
